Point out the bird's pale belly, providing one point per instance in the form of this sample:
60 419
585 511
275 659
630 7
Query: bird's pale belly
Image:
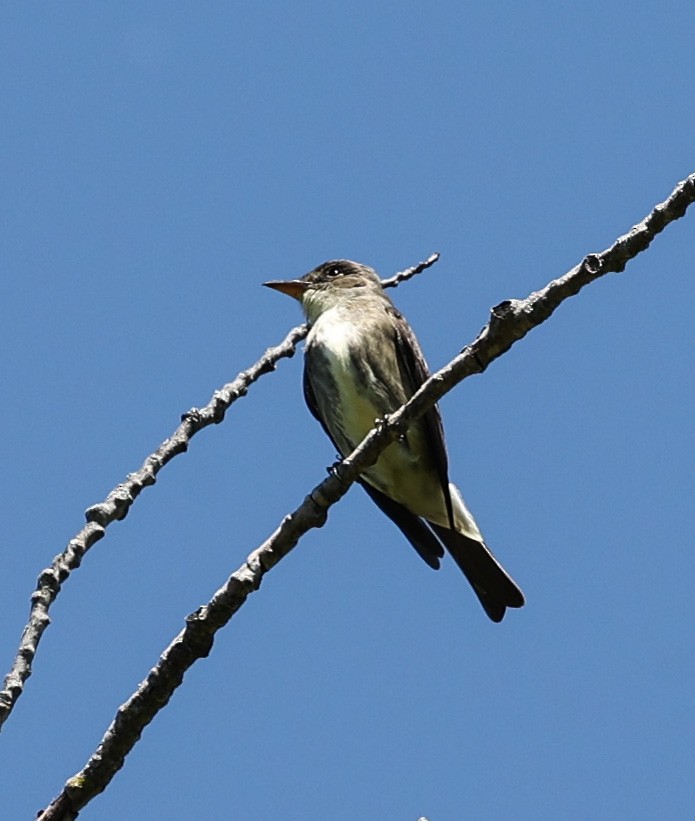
399 472
409 483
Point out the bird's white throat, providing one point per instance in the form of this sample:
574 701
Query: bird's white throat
334 331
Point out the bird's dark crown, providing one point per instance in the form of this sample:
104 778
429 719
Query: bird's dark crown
342 272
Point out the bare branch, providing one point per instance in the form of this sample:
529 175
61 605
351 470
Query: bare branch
401 276
116 506
509 322
118 502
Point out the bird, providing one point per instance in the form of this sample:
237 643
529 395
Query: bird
362 361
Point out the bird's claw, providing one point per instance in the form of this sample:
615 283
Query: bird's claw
332 470
379 424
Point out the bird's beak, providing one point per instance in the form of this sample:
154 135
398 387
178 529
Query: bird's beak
292 287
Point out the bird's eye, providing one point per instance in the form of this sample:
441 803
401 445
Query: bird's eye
333 269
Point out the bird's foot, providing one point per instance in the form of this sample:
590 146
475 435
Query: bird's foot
332 470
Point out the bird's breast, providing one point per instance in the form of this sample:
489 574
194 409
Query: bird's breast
338 369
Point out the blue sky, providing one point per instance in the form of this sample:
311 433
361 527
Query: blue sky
160 161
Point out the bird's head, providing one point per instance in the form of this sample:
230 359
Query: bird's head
328 285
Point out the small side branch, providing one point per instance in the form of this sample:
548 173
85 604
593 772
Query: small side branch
116 506
118 502
402 276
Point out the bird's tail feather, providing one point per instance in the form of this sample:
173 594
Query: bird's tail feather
487 577
490 581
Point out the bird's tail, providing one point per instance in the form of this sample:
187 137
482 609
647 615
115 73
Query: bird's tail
492 584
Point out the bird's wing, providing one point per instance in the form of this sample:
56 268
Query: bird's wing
414 372
312 404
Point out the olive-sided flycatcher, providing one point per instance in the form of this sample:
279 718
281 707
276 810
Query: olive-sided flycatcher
362 361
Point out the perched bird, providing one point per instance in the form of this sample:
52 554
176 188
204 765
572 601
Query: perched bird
362 361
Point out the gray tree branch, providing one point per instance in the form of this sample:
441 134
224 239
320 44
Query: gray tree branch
510 321
117 503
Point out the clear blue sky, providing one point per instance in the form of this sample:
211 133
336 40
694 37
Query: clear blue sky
161 160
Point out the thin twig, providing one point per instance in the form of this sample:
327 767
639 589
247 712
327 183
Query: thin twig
509 322
401 276
117 504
